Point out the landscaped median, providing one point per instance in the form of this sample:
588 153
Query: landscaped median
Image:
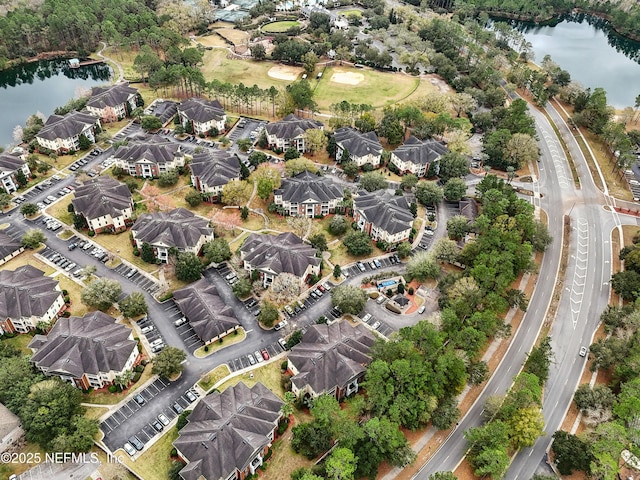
214 376
226 341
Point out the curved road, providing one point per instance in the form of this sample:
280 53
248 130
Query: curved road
585 294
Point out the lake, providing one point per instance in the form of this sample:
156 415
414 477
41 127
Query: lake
42 86
592 53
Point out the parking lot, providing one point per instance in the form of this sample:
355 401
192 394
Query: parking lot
187 334
116 420
134 275
42 187
247 128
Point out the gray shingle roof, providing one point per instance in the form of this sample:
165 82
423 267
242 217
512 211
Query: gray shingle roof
215 168
10 162
207 312
152 149
90 344
102 196
8 245
420 152
291 126
201 110
308 186
67 126
226 430
178 228
110 96
384 210
357 143
279 253
165 110
330 356
26 292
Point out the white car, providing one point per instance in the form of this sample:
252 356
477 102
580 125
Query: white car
421 309
583 351
366 318
129 449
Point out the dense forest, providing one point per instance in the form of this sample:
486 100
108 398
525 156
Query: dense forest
73 25
624 21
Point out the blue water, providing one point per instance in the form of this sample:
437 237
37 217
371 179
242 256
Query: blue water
387 283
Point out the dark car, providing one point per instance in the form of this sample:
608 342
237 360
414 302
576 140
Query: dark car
139 399
136 442
158 426
72 246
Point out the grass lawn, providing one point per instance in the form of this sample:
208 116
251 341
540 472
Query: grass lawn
279 27
629 231
59 210
227 341
268 374
107 398
155 462
65 235
377 88
121 246
95 413
346 13
213 40
77 307
20 342
235 36
114 127
218 66
27 258
33 451
213 377
235 244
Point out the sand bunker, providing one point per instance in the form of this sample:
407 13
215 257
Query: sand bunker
347 78
284 72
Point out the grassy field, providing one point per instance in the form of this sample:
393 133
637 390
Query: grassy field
59 210
95 413
212 41
218 66
20 342
279 27
226 342
213 377
346 13
156 461
77 307
377 88
121 246
27 258
268 374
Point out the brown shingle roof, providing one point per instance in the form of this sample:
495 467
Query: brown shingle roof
77 345
279 253
330 356
226 430
26 292
102 196
207 312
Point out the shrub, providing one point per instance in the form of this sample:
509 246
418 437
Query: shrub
174 452
410 291
285 381
65 292
206 348
67 299
139 368
113 389
284 365
91 233
282 427
136 377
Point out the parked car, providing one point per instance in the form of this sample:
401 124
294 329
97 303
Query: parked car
147 329
180 321
177 408
190 396
158 426
139 399
283 343
265 354
251 358
421 309
136 442
361 266
381 299
378 264
129 449
258 356
72 246
280 325
366 318
157 348
288 309
163 419
583 351
375 325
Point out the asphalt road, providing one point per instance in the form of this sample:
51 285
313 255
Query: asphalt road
555 182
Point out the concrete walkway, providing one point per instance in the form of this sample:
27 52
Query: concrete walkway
120 76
